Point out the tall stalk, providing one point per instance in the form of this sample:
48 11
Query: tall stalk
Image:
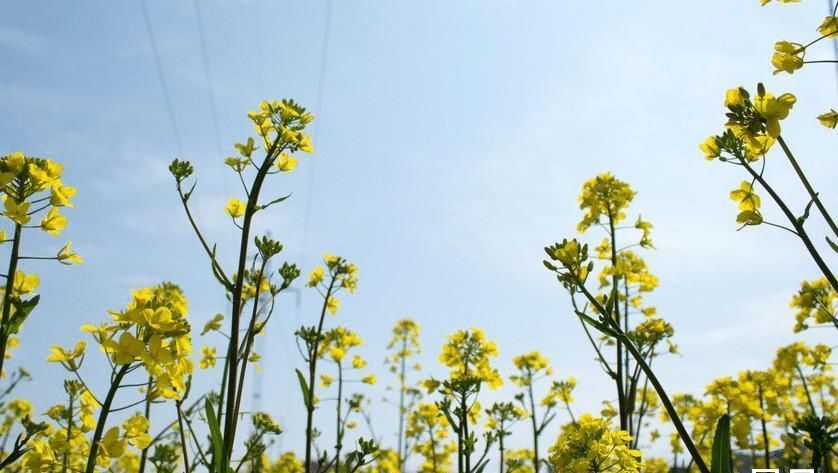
402 388
465 434
662 394
312 374
9 292
339 419
103 418
536 462
621 395
144 453
231 415
766 445
796 224
812 194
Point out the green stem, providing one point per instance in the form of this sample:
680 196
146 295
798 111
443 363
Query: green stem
801 232
808 186
500 447
806 390
664 397
231 416
250 334
184 451
66 461
339 427
9 293
766 445
433 448
103 418
402 372
464 427
312 373
621 396
144 454
535 460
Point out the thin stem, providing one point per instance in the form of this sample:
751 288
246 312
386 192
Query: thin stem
664 397
216 268
793 220
465 435
501 449
66 460
9 292
103 418
231 416
621 397
535 431
144 454
184 452
433 448
766 446
806 390
339 426
249 336
808 186
402 388
312 373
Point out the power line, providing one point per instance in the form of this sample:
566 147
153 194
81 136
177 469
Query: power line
208 77
324 57
162 77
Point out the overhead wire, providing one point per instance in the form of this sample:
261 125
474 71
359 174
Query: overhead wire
162 78
318 108
211 90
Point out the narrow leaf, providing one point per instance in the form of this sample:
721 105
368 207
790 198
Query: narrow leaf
721 447
215 437
22 311
275 201
304 388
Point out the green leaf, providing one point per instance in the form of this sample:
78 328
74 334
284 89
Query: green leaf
304 388
720 462
598 325
609 304
802 219
22 311
453 423
216 271
215 437
275 201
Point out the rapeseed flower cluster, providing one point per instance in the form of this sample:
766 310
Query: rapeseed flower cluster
152 332
591 445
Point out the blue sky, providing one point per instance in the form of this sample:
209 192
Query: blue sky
452 140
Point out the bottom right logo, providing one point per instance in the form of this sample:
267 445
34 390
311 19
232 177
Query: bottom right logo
777 470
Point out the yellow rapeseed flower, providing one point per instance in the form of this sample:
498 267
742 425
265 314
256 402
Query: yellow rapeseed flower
773 109
25 283
53 222
67 256
710 148
829 119
286 163
235 207
16 212
207 358
829 27
788 57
